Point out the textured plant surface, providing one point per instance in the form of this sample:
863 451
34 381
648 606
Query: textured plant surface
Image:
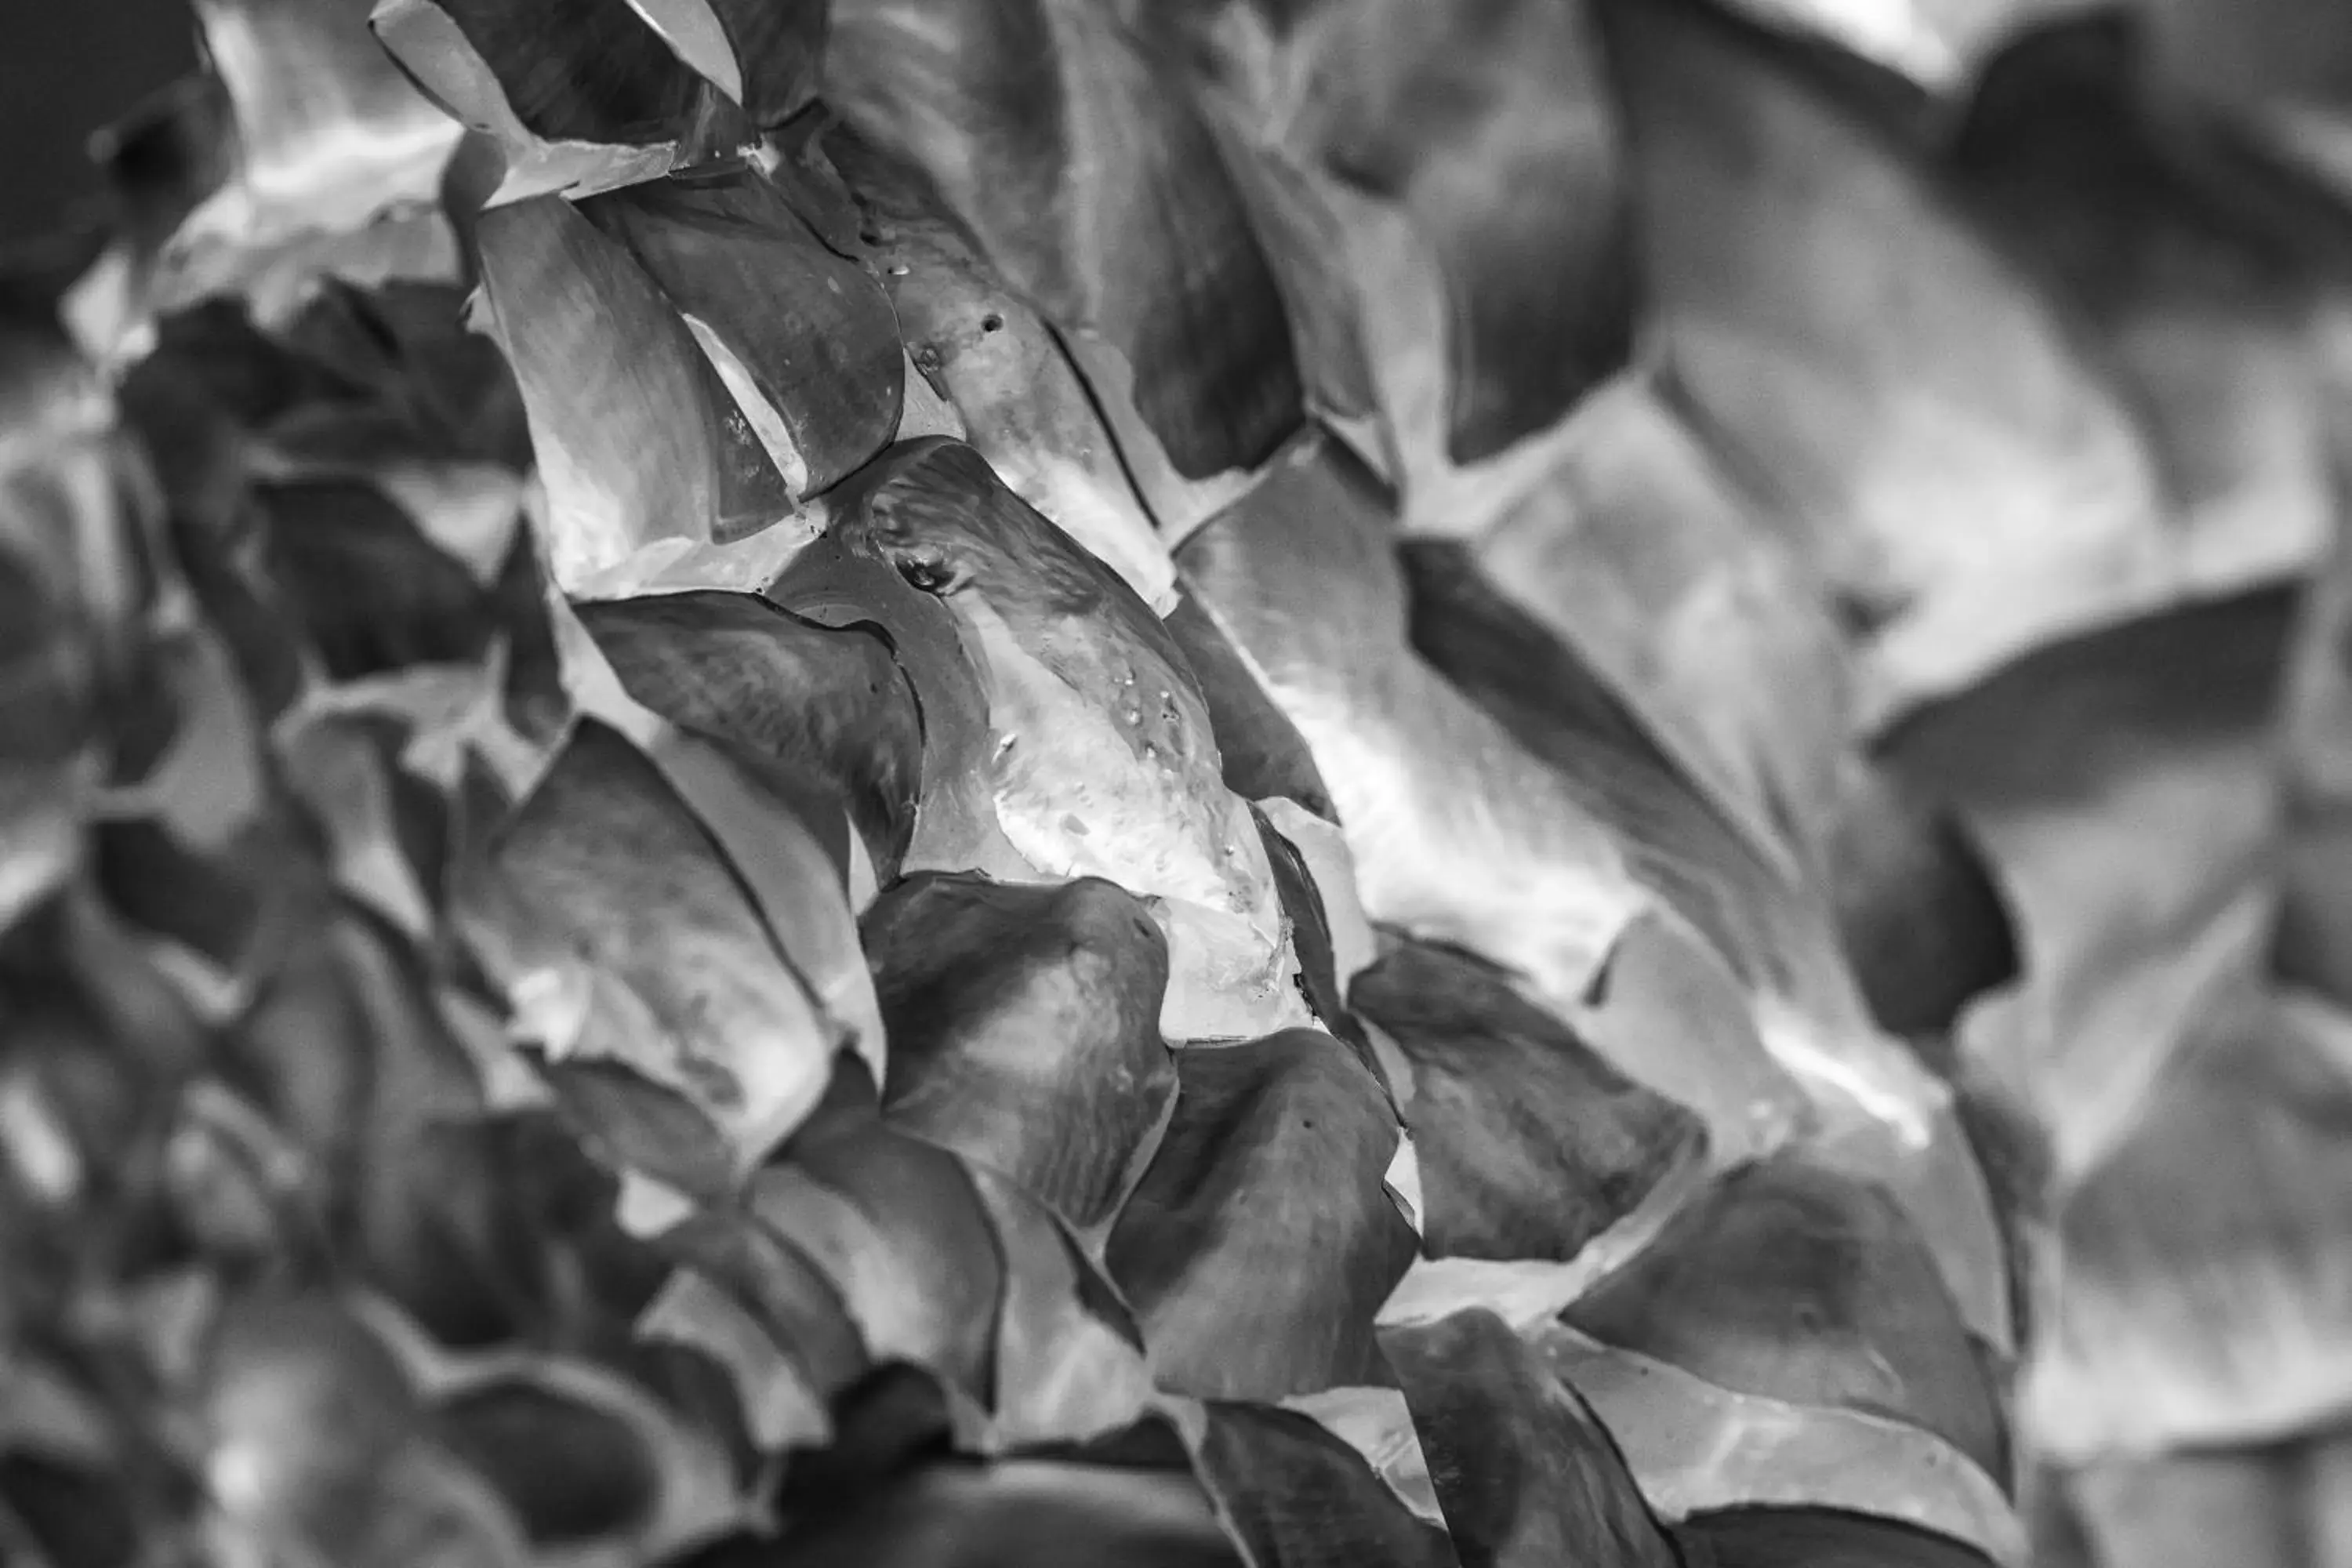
1387 782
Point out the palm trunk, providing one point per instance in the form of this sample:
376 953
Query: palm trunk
1406 782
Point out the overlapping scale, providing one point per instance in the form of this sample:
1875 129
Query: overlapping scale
1197 879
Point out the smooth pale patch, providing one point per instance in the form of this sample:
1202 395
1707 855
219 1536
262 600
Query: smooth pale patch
865 886
1224 982
1401 1182
1931 42
38 1143
1395 1066
645 1208
41 844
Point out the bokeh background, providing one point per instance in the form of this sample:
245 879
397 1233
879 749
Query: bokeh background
65 72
